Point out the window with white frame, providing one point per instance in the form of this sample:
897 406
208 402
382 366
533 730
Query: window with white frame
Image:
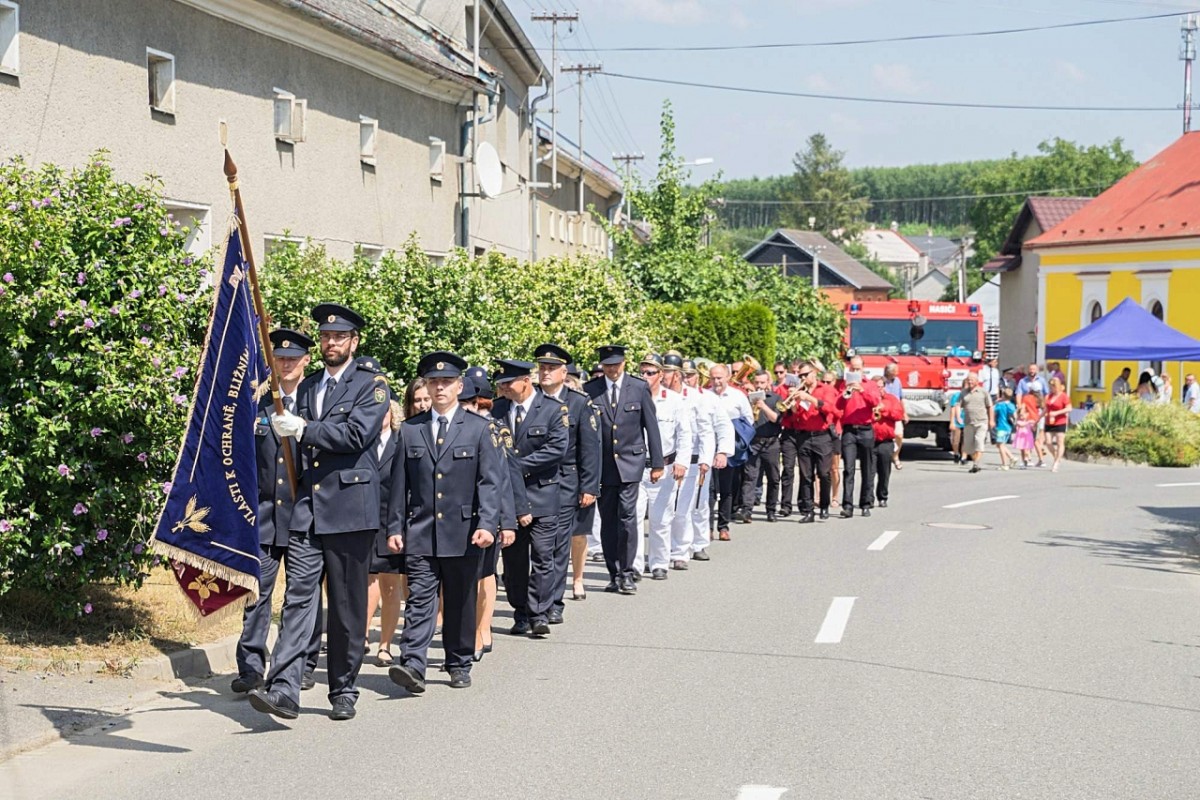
1095 369
437 158
160 74
10 32
368 133
193 220
370 252
275 243
290 113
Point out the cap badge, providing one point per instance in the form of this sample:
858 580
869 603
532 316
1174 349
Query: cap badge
441 365
287 343
332 318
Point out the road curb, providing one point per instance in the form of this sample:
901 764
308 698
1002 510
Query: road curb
199 661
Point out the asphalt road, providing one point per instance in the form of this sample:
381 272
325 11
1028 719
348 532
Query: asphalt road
1051 652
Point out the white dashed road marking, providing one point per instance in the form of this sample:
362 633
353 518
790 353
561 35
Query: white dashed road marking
1174 485
835 621
753 792
966 503
883 540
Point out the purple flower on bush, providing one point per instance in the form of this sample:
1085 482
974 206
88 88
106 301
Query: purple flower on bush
156 361
142 457
187 262
114 310
64 470
179 372
135 294
8 277
79 509
121 222
146 328
101 534
166 488
144 340
5 526
87 608
181 297
12 206
164 231
77 550
127 438
162 289
137 549
88 323
81 279
96 433
53 323
138 206
37 244
179 399
60 313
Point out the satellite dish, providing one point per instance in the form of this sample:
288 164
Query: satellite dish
488 171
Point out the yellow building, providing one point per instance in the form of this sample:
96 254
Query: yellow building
1140 239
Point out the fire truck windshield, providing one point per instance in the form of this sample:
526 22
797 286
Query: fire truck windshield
943 337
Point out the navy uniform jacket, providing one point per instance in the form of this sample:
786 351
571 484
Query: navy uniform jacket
275 499
511 497
339 490
437 502
580 472
629 434
388 464
539 447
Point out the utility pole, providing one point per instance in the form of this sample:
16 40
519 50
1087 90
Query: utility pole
1187 54
627 159
580 71
553 17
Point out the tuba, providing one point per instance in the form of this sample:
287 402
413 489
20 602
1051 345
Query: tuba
750 366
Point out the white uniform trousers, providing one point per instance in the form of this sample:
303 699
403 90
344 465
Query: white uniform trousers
656 500
683 529
700 514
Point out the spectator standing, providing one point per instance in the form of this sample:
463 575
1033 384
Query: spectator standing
956 426
892 385
1007 381
1120 386
1058 413
978 417
1145 389
1055 371
1035 406
1023 438
989 378
1032 379
1191 394
1006 418
1166 392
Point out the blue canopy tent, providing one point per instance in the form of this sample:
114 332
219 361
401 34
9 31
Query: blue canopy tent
1127 333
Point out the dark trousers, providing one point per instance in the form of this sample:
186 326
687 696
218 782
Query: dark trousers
763 461
567 525
858 445
619 527
256 619
344 559
529 568
815 456
789 450
726 486
883 467
457 578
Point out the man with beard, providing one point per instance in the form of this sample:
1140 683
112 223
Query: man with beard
339 414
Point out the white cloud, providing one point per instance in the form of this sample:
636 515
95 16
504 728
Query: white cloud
817 82
897 78
1069 71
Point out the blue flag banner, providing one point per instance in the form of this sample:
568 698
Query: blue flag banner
209 526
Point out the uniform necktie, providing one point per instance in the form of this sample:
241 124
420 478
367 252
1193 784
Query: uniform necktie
612 396
518 418
443 423
329 384
289 404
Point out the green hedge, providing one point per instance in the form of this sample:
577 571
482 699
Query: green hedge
1161 435
726 333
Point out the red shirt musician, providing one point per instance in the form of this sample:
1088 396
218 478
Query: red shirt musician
809 442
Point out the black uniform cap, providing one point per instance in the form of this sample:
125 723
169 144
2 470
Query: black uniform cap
573 369
551 354
332 317
508 369
441 364
610 354
479 377
289 343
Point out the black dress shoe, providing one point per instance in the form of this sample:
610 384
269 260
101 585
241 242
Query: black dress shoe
809 517
275 703
244 683
883 503
866 512
847 512
745 519
520 628
408 678
784 514
771 517
701 555
477 656
487 648
540 628
554 617
637 577
343 709
307 681
459 679
626 585
659 574
612 587
824 513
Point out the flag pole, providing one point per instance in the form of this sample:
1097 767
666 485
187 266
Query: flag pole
264 330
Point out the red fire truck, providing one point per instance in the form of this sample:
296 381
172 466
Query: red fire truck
933 344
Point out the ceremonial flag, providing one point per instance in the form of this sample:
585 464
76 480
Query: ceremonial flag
209 526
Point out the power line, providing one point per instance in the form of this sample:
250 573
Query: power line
886 100
920 37
880 201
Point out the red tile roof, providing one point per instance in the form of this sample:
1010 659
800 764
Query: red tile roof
1158 200
1050 211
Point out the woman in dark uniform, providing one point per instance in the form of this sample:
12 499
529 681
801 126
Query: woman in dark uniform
386 567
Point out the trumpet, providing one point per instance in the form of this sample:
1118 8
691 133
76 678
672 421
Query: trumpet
877 413
784 406
750 366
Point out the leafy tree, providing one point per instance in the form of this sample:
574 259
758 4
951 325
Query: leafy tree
102 311
675 265
825 190
807 324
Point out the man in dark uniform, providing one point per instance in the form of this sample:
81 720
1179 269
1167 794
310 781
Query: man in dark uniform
579 475
629 438
764 449
541 430
445 511
274 518
339 414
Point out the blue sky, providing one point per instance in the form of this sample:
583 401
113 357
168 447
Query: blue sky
1125 64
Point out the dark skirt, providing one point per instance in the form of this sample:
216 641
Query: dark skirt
391 564
1056 428
490 560
584 518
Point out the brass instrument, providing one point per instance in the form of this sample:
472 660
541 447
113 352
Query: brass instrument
784 406
750 366
877 413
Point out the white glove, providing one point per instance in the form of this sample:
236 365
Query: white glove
288 424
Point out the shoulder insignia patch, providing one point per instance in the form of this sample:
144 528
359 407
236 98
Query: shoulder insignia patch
380 394
566 420
380 378
593 420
